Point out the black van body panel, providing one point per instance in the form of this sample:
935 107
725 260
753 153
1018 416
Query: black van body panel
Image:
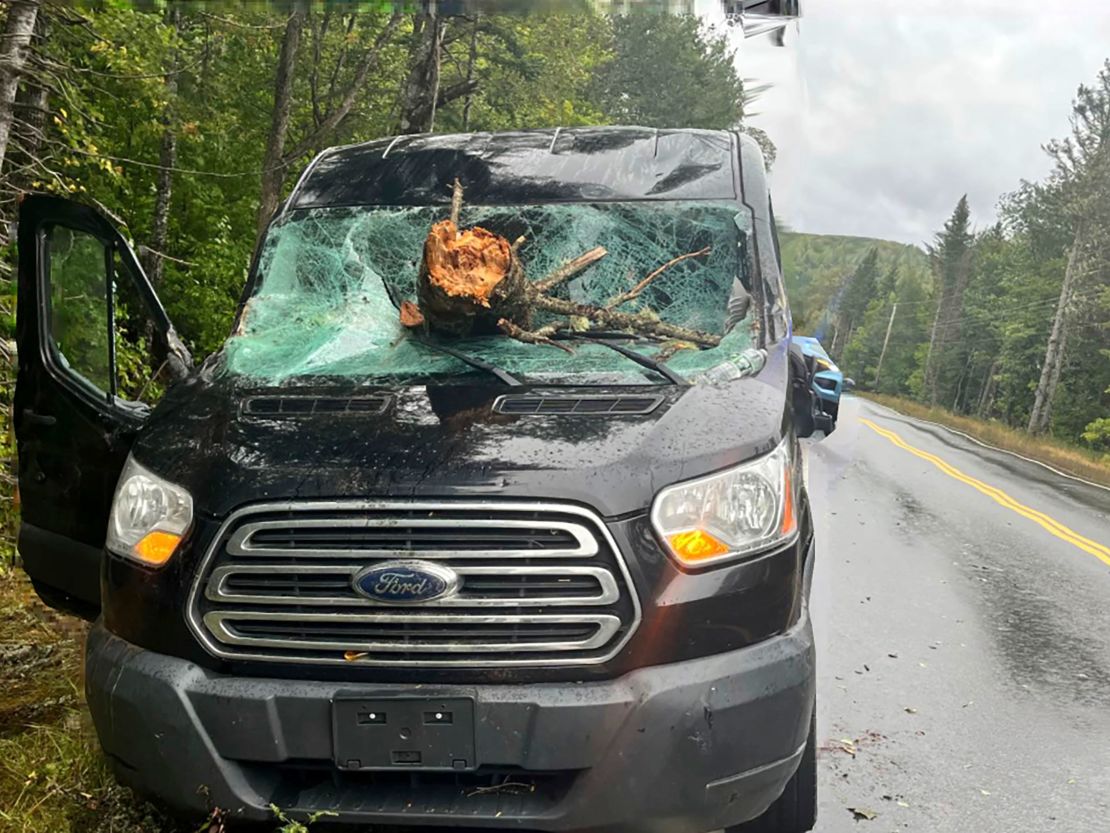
447 441
533 166
689 746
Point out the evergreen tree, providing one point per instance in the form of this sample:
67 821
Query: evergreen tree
1082 175
951 258
855 295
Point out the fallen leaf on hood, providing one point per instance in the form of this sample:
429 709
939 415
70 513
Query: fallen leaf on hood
862 814
354 656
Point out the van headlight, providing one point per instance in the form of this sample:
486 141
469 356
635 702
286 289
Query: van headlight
736 512
149 516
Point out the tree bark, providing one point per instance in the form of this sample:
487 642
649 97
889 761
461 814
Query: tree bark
32 105
929 381
14 46
1041 414
154 264
274 163
886 342
469 281
471 64
420 93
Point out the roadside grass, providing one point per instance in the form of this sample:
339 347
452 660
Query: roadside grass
1068 458
53 777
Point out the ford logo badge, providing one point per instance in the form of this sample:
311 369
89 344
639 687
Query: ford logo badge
405 582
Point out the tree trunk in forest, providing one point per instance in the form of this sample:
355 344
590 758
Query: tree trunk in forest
886 343
986 398
14 47
154 264
420 94
1041 414
961 385
929 378
946 327
471 64
329 123
32 104
273 165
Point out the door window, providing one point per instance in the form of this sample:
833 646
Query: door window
100 331
141 368
80 330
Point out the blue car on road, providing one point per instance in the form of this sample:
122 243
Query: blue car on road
828 381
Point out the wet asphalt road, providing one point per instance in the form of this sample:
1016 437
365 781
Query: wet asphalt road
964 650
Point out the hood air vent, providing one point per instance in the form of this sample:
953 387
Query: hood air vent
305 406
576 405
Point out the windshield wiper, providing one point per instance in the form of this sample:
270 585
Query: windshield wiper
639 358
504 375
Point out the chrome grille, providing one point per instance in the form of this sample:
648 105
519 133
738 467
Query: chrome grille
538 585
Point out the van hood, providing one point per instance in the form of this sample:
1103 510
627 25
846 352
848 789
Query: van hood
449 440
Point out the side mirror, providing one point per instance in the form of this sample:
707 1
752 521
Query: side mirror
849 383
803 401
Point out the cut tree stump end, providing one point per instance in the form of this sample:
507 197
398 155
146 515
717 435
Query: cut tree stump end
467 264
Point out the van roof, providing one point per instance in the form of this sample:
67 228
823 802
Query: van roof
580 164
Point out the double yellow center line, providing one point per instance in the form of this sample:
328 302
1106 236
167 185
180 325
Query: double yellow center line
1051 525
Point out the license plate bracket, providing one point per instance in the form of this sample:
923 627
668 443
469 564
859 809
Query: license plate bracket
426 733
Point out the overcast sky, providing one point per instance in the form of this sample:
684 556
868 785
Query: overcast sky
886 111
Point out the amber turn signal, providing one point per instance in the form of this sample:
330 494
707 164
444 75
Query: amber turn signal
156 547
696 545
788 520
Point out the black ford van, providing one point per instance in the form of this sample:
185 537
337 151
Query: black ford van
409 579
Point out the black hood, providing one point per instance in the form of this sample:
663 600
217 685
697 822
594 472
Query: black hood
447 440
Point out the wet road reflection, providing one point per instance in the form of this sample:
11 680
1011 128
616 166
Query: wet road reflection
964 652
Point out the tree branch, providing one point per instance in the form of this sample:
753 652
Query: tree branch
456 203
642 285
333 119
638 322
569 269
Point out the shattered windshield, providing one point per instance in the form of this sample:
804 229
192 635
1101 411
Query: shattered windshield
332 283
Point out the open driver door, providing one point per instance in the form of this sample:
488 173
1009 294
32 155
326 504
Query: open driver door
82 292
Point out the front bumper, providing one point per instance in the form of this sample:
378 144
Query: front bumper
694 745
828 386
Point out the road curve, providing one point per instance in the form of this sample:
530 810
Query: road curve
962 607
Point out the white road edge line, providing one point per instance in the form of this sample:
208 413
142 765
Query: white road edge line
977 441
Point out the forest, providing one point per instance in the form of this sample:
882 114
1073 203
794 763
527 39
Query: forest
189 122
1008 321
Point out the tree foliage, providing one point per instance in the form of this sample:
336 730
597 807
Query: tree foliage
669 72
165 114
1011 322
